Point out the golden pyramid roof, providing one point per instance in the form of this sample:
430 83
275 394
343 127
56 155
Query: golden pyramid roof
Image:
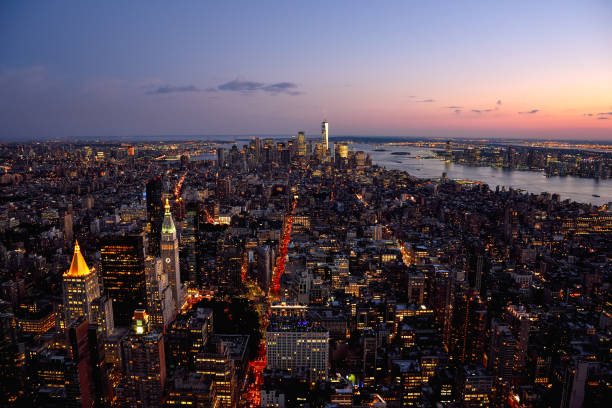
78 267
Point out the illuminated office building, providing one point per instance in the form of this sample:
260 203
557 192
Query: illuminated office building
81 288
123 274
191 389
342 150
35 318
301 144
144 364
102 314
409 380
474 387
325 136
160 303
502 351
187 337
216 362
298 347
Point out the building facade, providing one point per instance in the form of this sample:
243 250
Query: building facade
170 257
80 289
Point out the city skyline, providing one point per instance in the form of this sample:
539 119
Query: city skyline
301 273
394 69
340 204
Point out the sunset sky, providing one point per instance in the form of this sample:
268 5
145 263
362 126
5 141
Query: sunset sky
538 69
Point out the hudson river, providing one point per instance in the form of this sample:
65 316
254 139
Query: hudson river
574 188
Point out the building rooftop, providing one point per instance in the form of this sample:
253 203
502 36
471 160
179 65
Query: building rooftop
78 267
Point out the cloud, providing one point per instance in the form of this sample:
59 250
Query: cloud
422 99
531 112
454 107
600 115
240 86
499 102
479 111
280 87
246 87
166 89
457 111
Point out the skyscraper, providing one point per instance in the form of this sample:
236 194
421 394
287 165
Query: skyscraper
154 212
160 303
123 273
68 233
102 314
500 359
77 340
301 144
325 136
144 364
170 256
342 150
81 288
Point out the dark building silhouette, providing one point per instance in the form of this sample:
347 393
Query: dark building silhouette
79 348
123 274
155 212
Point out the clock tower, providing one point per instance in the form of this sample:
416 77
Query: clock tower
170 256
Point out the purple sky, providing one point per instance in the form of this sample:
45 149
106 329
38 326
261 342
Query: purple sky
440 68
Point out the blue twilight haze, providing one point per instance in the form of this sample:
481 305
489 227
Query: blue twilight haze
439 68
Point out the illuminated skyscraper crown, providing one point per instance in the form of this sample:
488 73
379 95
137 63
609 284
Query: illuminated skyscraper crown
78 267
168 224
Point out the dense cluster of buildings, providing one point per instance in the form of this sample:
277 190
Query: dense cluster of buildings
588 163
291 273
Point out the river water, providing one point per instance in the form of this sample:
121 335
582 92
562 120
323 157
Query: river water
574 188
